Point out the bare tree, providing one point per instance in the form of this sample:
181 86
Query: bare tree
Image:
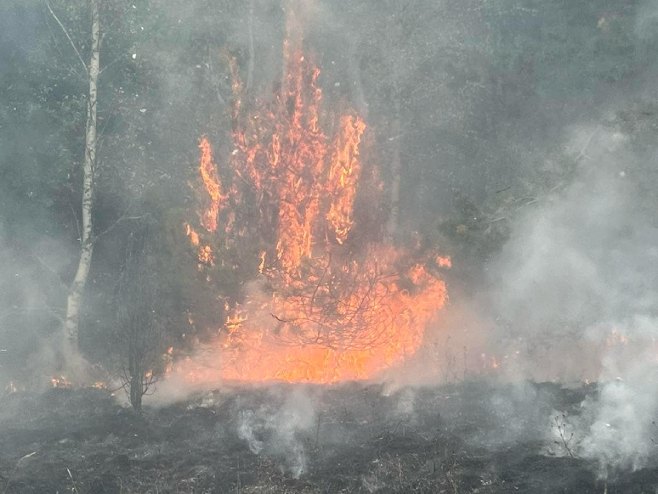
139 335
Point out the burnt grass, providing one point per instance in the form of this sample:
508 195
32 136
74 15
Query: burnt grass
470 437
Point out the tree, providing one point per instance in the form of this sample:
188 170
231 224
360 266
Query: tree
139 335
72 321
95 224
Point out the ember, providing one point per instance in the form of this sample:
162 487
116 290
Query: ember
60 382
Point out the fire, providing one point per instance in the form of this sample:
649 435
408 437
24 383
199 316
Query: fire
261 264
350 325
60 382
208 171
443 261
192 235
344 175
325 307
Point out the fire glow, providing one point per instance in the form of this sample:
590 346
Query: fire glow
325 307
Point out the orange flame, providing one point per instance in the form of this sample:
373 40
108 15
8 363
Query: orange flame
328 309
371 324
443 261
344 175
60 382
213 186
192 235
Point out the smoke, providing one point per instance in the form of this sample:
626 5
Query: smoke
647 20
32 294
280 431
280 424
577 300
577 261
574 292
623 432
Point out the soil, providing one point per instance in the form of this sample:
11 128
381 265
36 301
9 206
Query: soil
469 437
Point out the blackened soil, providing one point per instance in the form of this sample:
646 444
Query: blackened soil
474 437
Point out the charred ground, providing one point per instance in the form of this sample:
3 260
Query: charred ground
471 437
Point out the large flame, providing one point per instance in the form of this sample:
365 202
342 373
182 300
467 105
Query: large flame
323 308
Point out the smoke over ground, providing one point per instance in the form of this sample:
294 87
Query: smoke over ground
576 293
280 432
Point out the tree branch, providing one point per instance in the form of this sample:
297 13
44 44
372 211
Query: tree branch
84 65
21 312
122 218
252 55
110 64
582 154
54 273
215 80
77 219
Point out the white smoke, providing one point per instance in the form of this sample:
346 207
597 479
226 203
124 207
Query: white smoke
646 23
622 432
249 424
279 432
579 297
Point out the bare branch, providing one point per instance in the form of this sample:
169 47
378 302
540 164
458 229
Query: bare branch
22 312
54 273
252 55
561 428
121 219
110 64
583 152
77 220
215 80
66 33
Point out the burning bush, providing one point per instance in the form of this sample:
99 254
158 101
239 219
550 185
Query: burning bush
334 302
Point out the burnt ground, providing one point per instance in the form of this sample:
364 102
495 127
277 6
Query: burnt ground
474 437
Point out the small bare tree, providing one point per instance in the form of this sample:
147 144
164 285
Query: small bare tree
139 338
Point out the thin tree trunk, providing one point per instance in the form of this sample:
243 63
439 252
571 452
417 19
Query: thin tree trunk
136 378
396 171
86 242
252 54
359 94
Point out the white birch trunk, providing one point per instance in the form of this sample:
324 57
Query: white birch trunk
86 242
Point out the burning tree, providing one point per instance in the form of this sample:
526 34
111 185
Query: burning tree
332 302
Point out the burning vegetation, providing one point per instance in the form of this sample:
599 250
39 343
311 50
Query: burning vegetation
333 299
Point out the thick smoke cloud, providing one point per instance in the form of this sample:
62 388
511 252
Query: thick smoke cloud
623 433
578 295
574 289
